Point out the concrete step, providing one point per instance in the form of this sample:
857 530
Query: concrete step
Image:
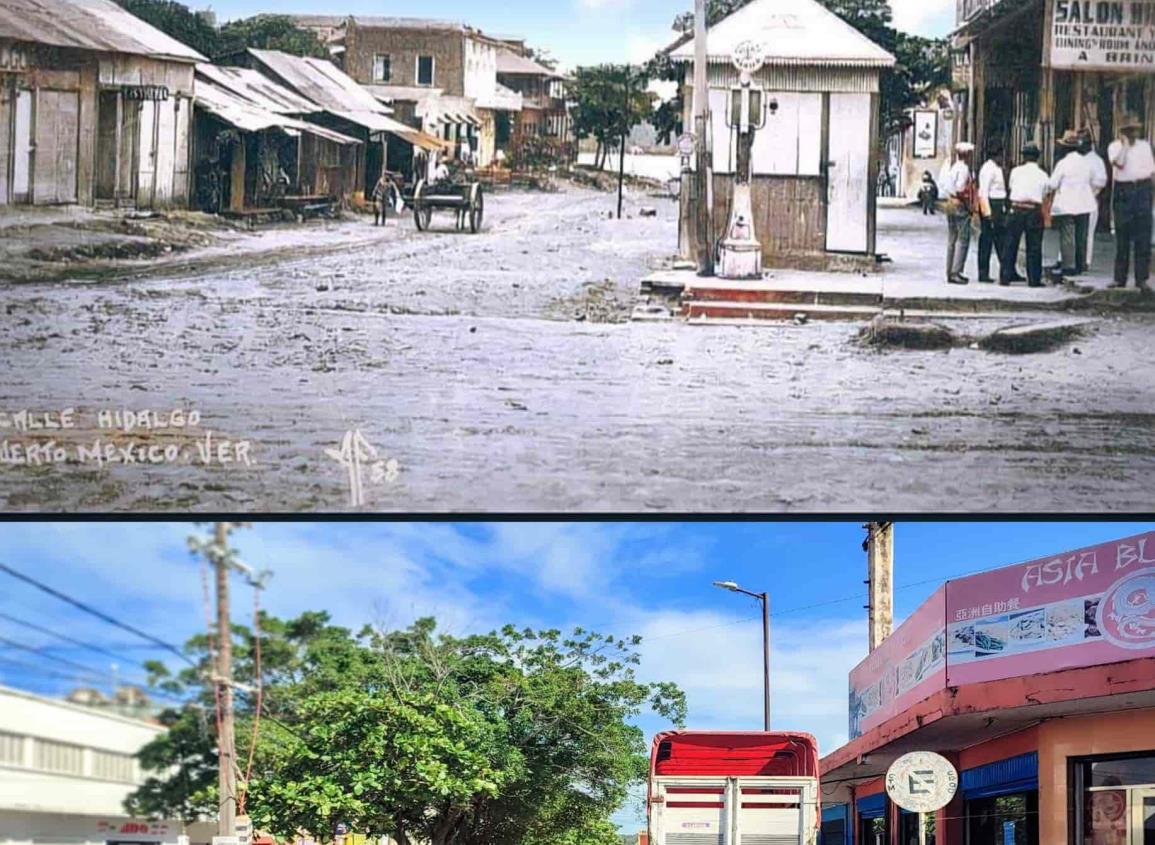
773 295
710 310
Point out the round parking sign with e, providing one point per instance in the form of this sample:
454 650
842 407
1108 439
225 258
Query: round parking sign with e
921 781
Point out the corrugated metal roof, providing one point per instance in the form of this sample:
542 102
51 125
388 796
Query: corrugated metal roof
386 22
794 32
511 62
254 86
320 81
89 25
250 117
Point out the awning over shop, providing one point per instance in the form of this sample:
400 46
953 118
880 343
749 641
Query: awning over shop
1002 777
420 139
872 806
458 119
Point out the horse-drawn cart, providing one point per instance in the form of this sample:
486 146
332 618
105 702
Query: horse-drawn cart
467 201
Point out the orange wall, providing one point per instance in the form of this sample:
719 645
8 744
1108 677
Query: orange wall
1077 736
1000 748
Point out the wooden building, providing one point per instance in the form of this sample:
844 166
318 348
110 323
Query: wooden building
252 149
544 112
1028 70
95 106
342 106
814 162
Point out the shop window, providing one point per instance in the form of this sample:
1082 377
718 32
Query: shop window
908 828
1004 819
872 832
1114 800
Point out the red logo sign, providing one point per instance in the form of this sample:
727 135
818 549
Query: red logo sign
1127 611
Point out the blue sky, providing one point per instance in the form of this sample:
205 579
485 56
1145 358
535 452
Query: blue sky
574 31
653 579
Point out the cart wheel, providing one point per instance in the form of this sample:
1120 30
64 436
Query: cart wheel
422 214
476 210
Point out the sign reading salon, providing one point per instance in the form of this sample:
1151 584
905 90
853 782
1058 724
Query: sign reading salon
1103 34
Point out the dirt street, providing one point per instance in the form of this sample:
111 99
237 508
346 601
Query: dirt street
498 372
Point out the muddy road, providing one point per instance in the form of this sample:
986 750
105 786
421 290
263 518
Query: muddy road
498 373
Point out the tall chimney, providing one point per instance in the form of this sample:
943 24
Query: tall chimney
879 547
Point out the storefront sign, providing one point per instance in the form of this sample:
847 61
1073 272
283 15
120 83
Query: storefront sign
921 781
1080 608
925 134
908 666
155 93
1103 34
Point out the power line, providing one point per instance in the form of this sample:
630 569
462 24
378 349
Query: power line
64 637
124 626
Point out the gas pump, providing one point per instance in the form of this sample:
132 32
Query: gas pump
740 251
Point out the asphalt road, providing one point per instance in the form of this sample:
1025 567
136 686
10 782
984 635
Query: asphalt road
497 373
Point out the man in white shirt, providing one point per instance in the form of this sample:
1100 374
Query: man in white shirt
1074 200
1098 183
992 190
958 213
1134 167
1028 187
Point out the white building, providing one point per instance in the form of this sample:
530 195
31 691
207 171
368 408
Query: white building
65 771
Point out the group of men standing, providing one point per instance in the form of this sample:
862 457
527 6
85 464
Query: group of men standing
1017 209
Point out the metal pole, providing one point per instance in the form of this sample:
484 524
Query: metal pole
701 128
226 744
922 829
765 597
624 133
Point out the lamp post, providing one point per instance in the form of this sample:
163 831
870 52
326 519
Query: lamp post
764 598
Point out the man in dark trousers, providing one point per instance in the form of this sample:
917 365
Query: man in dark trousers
1028 188
1134 168
993 211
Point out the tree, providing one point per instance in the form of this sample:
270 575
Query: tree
178 21
497 739
270 32
265 32
610 101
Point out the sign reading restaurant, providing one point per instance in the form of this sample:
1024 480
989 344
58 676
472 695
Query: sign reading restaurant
1103 34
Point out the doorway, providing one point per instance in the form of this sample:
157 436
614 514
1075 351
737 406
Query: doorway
107 132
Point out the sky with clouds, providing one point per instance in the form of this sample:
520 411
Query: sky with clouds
574 31
653 579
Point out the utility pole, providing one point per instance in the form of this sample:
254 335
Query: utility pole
624 134
765 598
879 548
226 742
701 108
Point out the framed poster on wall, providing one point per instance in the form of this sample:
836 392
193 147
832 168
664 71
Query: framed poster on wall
925 134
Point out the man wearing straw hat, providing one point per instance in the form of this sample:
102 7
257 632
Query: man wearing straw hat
1134 168
1074 200
960 199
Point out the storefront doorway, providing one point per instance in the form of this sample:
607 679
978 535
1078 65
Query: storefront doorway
1118 803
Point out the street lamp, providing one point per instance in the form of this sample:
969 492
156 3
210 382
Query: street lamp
764 598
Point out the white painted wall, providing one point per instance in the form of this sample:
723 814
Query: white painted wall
480 70
27 720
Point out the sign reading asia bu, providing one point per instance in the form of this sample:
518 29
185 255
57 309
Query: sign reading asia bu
1080 608
1103 34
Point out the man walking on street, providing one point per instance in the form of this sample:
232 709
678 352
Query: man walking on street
959 190
1134 167
1074 200
1028 189
992 189
1098 183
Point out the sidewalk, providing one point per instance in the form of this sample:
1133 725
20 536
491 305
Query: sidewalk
917 246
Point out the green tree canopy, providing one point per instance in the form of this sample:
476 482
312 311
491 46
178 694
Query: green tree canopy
610 100
496 739
265 32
